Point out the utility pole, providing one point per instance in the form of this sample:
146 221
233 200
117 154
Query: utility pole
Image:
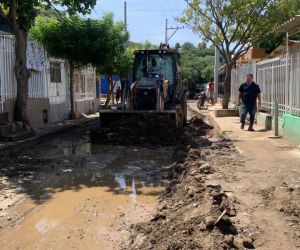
166 31
125 15
170 28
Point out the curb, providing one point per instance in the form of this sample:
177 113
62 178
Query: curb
14 147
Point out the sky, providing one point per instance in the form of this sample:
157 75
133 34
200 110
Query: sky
146 19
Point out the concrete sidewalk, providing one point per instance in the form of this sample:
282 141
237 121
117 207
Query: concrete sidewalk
48 130
230 127
259 144
262 184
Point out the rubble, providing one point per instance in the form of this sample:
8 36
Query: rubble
194 209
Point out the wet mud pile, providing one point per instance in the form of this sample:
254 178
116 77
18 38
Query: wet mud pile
141 129
194 211
290 207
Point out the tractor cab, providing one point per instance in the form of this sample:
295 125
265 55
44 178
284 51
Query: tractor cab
156 74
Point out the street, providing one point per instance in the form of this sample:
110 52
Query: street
202 192
67 192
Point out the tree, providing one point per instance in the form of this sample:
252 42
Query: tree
121 64
272 40
81 41
233 26
146 45
196 63
20 15
124 64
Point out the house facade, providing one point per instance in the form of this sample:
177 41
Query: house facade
48 86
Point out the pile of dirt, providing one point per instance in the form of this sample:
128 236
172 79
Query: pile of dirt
194 212
146 129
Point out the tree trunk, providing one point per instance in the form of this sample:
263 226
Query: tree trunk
108 91
72 112
98 87
112 86
22 75
227 89
124 90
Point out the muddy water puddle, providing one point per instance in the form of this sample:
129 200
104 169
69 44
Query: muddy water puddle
79 195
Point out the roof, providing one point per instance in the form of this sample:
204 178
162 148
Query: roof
292 26
281 49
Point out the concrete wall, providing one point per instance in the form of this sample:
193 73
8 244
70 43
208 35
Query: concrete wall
55 112
267 122
87 106
291 127
59 112
36 109
8 107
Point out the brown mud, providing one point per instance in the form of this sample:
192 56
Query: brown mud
194 211
150 130
124 187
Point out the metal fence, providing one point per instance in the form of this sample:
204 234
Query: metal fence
51 82
279 79
8 84
38 81
238 76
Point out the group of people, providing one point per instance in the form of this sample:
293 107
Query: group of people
249 93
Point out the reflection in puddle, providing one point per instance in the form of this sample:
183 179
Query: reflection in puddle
118 168
82 194
122 183
44 225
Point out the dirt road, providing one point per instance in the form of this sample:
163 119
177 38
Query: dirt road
192 190
69 193
266 186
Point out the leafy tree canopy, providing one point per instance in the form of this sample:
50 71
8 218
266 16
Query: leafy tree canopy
196 63
82 41
27 10
233 26
272 40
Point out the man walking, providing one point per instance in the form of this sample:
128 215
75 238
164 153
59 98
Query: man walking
248 93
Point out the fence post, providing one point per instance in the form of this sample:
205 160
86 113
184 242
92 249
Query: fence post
276 117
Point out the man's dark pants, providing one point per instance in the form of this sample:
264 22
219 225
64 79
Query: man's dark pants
245 109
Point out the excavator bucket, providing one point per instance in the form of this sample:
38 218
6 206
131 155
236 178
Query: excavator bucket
136 118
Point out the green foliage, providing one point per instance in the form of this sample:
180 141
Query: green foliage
196 63
82 41
124 62
146 45
234 25
27 10
271 40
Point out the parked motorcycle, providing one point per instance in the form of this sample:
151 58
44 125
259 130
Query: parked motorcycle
201 104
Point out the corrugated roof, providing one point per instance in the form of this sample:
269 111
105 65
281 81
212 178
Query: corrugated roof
292 26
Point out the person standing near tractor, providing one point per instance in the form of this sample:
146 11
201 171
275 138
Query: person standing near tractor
211 91
118 94
248 93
